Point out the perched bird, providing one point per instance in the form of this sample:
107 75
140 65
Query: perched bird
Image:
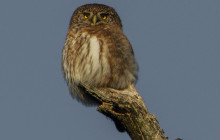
96 52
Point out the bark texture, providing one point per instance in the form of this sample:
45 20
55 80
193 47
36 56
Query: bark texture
127 108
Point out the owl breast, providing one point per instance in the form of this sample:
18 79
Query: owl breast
91 66
99 61
86 63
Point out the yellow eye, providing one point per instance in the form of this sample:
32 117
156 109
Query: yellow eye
86 15
104 15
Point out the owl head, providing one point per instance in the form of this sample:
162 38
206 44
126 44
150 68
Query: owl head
95 15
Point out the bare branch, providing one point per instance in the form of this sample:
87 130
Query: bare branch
127 108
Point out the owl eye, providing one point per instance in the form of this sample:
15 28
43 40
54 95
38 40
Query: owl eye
104 15
86 15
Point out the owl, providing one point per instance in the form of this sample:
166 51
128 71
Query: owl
97 53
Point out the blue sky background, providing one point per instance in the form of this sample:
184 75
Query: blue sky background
177 47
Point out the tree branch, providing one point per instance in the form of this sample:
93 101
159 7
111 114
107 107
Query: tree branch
127 108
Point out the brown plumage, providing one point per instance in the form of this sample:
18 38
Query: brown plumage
96 52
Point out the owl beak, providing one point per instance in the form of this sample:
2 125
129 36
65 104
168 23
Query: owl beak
94 19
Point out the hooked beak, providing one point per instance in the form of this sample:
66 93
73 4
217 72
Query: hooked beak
94 19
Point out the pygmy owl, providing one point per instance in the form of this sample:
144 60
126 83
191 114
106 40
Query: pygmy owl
96 52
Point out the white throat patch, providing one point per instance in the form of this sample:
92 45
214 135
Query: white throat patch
94 52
